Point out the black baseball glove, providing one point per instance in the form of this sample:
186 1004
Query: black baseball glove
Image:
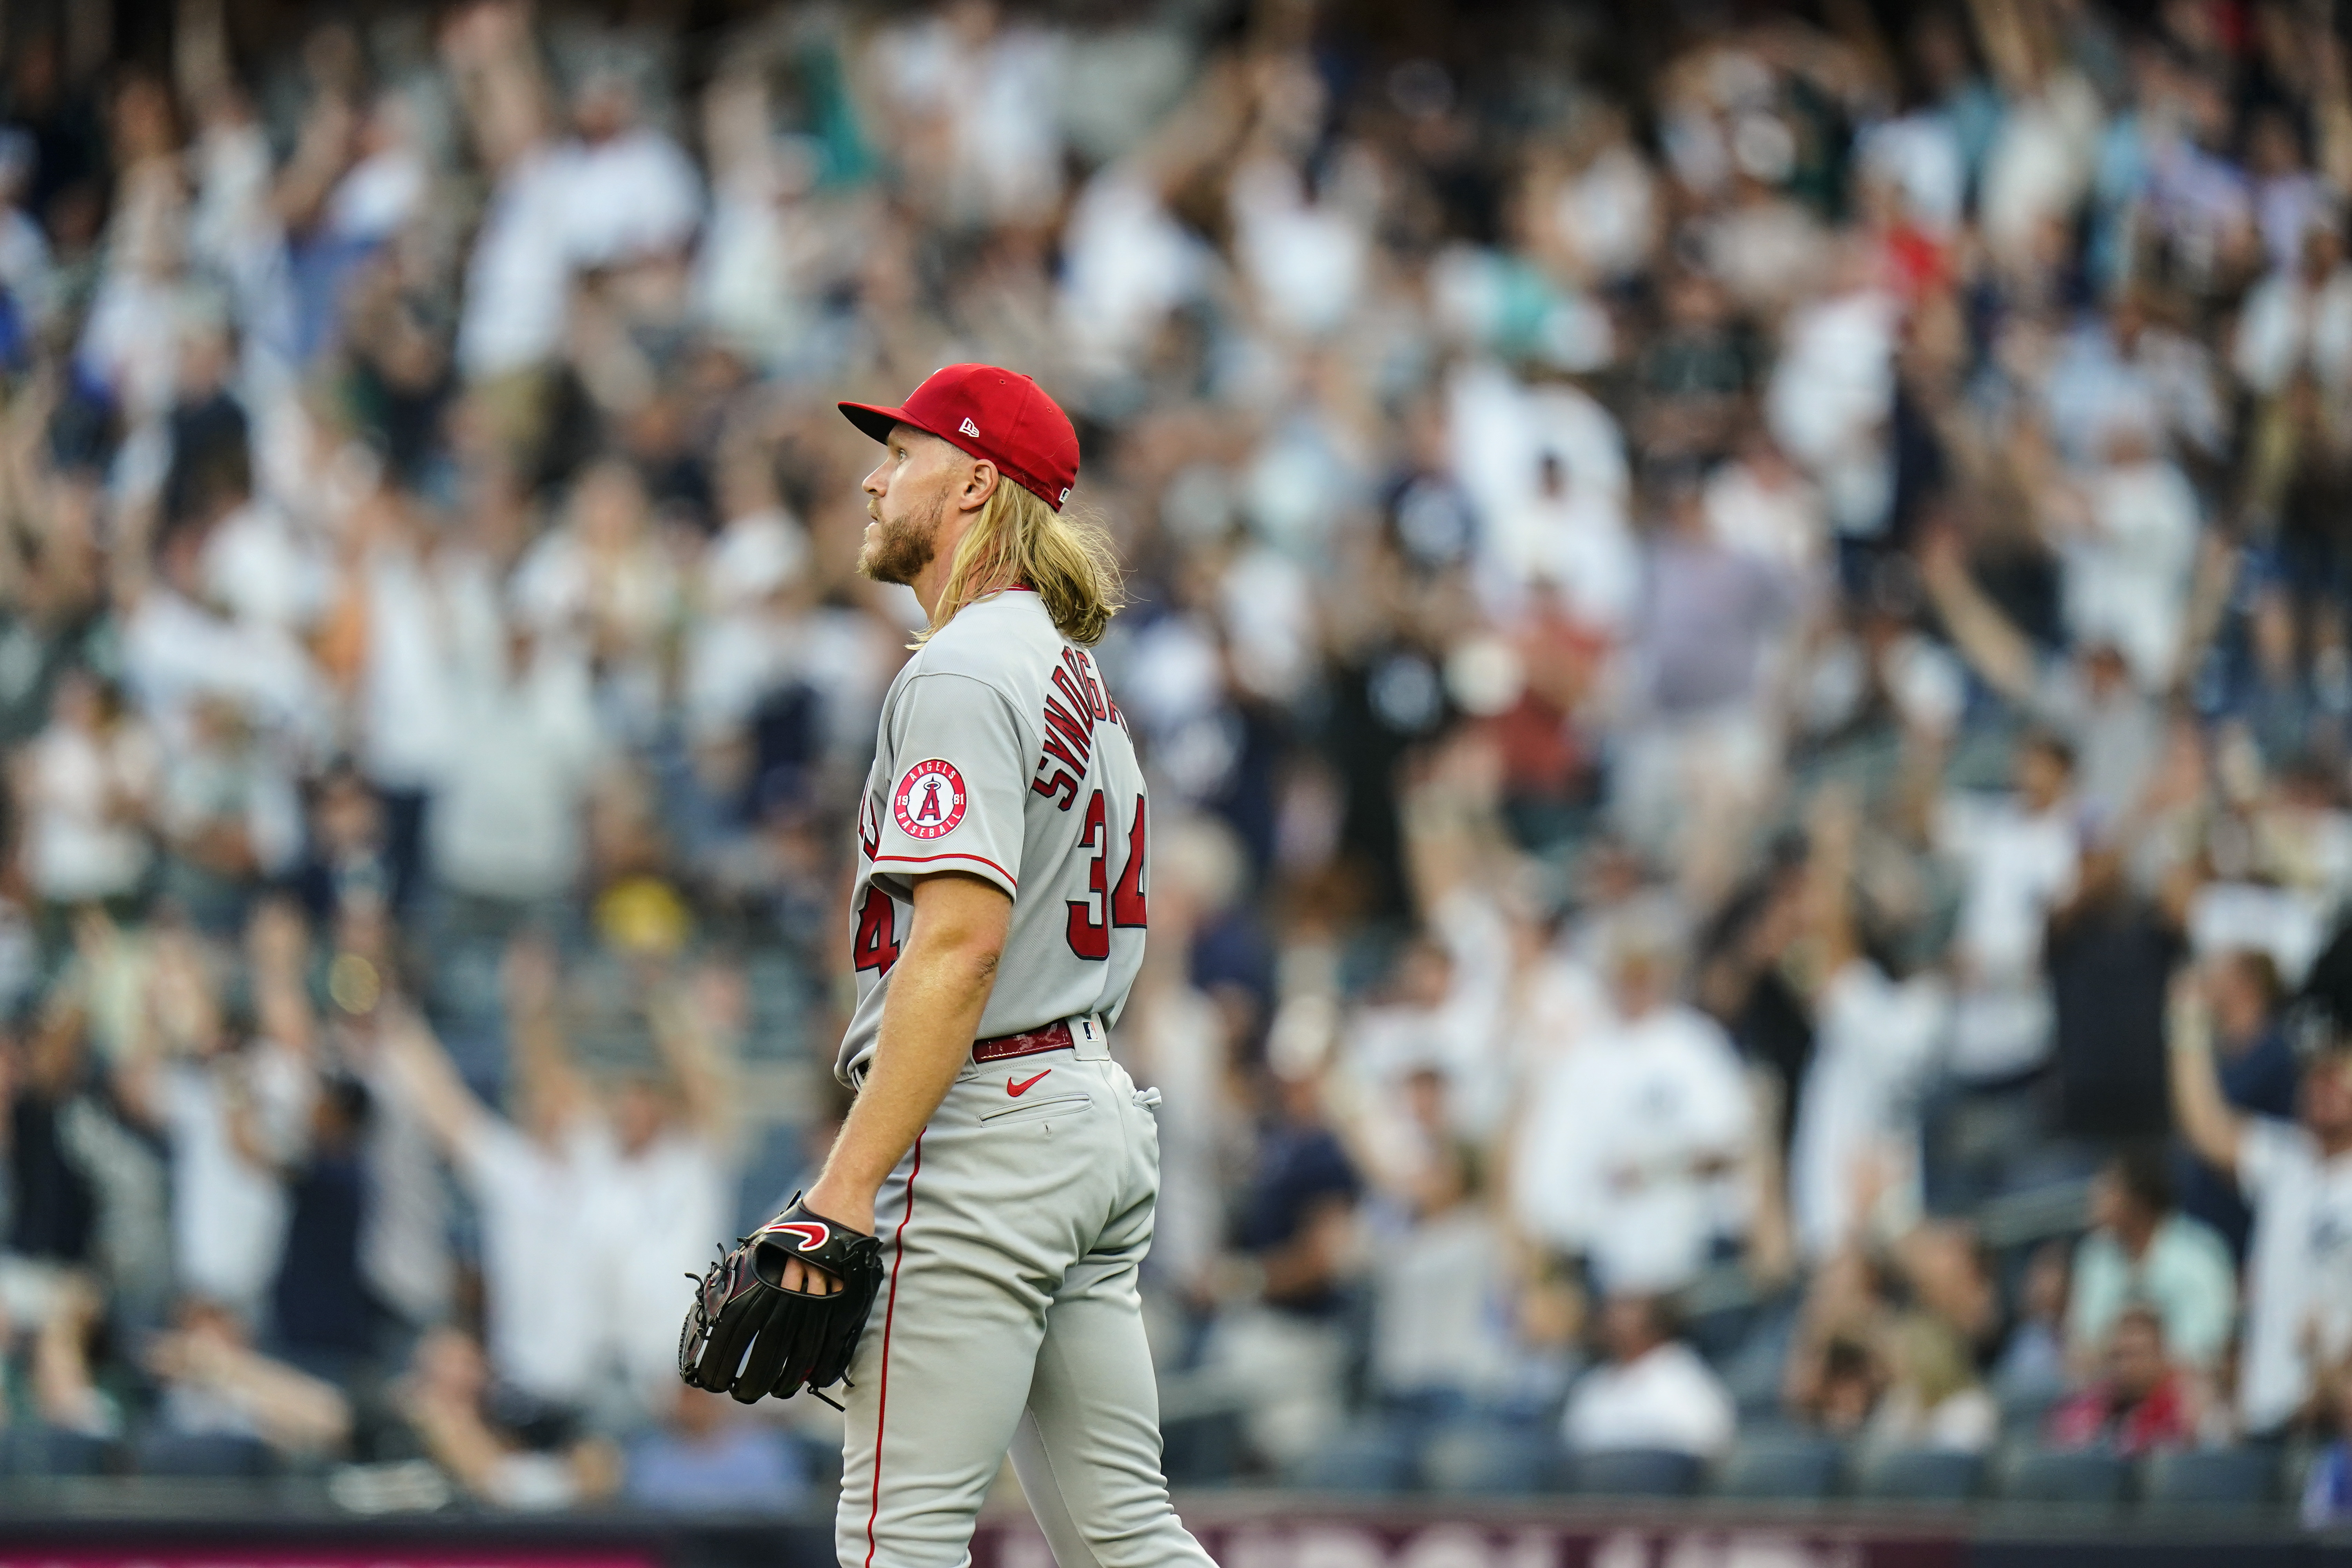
747 1336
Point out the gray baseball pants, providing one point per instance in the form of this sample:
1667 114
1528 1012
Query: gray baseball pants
1009 1320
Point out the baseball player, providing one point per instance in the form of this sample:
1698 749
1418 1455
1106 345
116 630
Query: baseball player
991 1194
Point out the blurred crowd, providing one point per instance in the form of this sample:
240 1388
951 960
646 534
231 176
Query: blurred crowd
1739 623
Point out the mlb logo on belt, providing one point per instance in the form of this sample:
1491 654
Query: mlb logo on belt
929 801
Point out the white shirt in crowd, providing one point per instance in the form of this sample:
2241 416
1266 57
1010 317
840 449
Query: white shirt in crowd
998 99
741 648
1666 1398
657 1214
1829 398
543 1303
1874 1040
1304 259
2039 164
519 279
1921 158
76 847
506 822
264 571
2289 325
1606 215
584 1251
1385 1046
2298 1269
1182 1038
626 197
2128 573
1774 515
229 1206
1507 441
1439 1308
1126 263
1607 1157
1964 1422
176 653
2018 865
403 688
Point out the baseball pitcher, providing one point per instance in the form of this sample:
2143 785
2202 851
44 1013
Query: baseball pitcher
967 1259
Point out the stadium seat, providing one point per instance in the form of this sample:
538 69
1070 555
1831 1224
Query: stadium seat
1633 1472
2211 1478
1475 1459
1368 1459
45 1451
1198 1450
2083 1477
1921 1475
1796 1468
209 1454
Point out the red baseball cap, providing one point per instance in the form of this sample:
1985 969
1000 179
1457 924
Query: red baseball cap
999 414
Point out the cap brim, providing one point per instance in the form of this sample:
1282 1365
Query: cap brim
874 419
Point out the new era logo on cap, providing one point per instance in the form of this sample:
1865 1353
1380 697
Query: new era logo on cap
1030 441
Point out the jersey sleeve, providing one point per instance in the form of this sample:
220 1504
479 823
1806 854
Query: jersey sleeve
957 801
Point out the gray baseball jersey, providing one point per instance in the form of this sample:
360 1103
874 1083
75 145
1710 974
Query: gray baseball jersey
1014 1228
1000 754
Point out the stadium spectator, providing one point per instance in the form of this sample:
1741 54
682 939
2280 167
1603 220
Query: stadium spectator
2297 1178
1864 505
707 1456
1438 1340
1931 1398
216 1383
443 1399
2326 1497
1651 1390
2144 1253
321 1312
2258 1077
1637 1153
2141 1402
2033 1372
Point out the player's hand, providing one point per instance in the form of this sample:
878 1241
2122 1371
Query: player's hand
842 1210
801 1275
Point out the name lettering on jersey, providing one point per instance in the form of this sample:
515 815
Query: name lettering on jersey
1077 734
1069 726
870 829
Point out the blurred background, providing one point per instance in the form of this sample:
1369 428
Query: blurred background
1739 627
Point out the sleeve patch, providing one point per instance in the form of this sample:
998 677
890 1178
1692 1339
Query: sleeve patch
929 801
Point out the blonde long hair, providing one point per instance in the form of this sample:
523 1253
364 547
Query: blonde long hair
1017 540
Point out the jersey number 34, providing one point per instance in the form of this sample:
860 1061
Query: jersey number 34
1105 906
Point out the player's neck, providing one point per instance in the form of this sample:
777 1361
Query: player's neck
930 584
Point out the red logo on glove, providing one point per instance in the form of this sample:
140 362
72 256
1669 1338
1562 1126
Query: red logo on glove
810 1235
929 801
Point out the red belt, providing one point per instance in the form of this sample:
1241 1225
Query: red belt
1054 1036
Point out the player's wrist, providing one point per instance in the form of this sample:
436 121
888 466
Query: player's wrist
843 1201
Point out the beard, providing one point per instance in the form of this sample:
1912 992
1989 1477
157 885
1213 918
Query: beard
900 547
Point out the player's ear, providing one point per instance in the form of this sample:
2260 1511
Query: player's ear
979 486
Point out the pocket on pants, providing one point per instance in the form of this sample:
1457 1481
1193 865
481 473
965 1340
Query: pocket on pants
1037 1111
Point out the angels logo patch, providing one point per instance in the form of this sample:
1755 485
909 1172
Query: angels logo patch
929 801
